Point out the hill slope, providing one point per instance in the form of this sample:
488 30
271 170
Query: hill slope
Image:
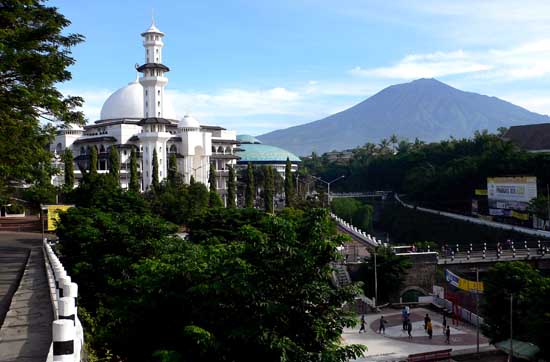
425 108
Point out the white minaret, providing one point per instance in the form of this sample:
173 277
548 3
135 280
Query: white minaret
153 79
154 135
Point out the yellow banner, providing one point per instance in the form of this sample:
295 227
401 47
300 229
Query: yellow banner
520 215
470 285
481 192
53 214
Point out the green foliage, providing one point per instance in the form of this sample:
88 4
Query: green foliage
250 193
35 53
68 169
212 178
539 206
256 288
353 211
214 199
114 164
15 208
407 226
268 188
531 304
231 188
134 185
93 161
442 174
289 184
391 270
172 169
155 181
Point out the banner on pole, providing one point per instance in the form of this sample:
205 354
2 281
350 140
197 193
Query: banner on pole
463 284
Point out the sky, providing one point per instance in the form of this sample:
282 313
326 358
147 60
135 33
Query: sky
257 66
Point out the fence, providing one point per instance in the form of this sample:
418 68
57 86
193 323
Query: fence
67 333
361 235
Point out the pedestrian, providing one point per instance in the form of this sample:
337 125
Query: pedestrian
448 335
409 328
444 323
426 320
429 328
382 327
404 317
363 329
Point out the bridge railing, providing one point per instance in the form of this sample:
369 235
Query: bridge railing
67 332
360 234
494 224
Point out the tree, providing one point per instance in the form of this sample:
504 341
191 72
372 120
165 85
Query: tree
289 184
114 164
93 161
134 178
517 278
391 267
35 53
231 188
250 193
212 178
68 169
269 188
172 169
155 175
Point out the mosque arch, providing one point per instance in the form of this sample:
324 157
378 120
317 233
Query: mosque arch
173 149
58 148
220 149
228 150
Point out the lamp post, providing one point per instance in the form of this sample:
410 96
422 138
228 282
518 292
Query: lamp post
328 185
511 356
195 170
375 280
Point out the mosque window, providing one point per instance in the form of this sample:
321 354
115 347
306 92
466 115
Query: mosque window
146 92
157 51
158 103
158 92
159 114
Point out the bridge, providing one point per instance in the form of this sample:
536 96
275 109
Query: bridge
370 194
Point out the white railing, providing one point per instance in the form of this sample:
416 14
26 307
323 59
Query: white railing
475 220
67 332
363 236
463 313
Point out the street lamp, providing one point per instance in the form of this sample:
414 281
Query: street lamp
328 184
195 170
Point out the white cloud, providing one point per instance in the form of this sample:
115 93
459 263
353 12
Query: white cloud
526 61
93 101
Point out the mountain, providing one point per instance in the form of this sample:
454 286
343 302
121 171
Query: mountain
425 108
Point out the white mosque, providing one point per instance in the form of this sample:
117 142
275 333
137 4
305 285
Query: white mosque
140 116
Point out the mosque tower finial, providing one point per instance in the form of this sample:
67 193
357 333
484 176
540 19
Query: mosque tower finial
153 79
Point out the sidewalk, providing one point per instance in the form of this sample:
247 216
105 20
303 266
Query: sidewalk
396 346
26 332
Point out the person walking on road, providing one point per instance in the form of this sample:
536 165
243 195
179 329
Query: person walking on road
363 329
448 335
426 320
429 329
444 324
382 327
409 328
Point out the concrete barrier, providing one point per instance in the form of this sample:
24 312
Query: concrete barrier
68 335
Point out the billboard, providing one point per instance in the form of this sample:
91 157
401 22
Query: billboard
53 214
512 193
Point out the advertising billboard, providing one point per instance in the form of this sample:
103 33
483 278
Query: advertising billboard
513 193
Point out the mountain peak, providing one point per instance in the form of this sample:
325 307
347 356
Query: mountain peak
425 108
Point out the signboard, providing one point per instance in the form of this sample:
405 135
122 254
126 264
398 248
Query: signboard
53 214
480 192
461 283
505 194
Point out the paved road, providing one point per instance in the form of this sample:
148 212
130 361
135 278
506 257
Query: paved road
25 334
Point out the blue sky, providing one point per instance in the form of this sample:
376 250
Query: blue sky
256 66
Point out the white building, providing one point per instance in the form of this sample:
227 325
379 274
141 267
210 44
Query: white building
141 116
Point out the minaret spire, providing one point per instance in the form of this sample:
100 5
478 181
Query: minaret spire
153 79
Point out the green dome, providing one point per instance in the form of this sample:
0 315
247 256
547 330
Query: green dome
246 138
264 154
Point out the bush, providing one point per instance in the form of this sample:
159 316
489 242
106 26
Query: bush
15 209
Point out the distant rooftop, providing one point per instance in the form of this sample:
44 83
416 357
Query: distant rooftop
530 137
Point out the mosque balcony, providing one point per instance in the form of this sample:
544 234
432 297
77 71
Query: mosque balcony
153 80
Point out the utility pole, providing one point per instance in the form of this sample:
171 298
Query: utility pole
477 311
375 280
511 355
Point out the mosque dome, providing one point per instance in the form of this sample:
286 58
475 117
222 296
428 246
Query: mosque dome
188 122
127 102
250 152
245 138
